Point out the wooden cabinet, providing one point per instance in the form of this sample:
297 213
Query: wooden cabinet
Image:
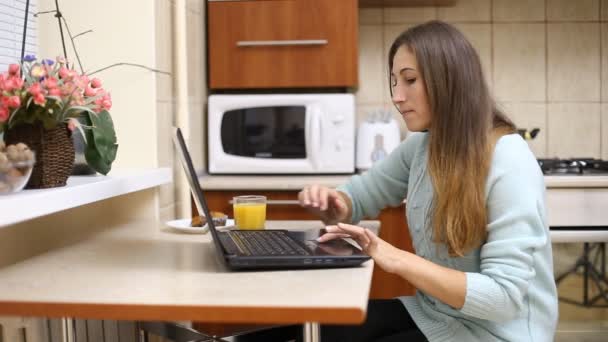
393 229
282 44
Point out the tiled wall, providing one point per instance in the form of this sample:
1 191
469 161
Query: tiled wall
195 31
545 60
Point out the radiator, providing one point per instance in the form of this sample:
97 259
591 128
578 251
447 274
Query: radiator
19 329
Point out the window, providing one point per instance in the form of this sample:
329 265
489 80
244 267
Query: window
11 31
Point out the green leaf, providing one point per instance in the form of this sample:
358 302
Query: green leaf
57 100
48 122
84 109
92 99
101 141
81 130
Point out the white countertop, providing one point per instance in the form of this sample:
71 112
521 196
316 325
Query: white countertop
145 271
80 190
576 181
264 182
297 182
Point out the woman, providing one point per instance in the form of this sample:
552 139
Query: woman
475 207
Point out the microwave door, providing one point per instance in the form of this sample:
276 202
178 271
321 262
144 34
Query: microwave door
271 139
314 132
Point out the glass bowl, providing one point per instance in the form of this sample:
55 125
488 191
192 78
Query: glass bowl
14 176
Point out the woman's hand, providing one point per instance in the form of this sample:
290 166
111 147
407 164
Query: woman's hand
385 255
328 204
445 284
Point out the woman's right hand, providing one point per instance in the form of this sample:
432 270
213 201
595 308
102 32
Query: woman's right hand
328 204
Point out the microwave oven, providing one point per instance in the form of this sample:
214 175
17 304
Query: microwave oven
281 134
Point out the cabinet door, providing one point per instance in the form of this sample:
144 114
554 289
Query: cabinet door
282 43
393 230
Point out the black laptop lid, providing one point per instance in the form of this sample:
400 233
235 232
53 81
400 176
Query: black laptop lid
195 187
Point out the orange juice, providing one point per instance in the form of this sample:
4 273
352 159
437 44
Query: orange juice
250 215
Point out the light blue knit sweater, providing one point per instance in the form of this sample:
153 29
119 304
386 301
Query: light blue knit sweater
511 294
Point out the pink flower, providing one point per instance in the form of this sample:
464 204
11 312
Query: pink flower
35 89
13 69
90 91
96 83
12 83
14 102
72 124
79 82
55 92
39 99
50 83
64 72
17 82
8 85
68 89
3 114
103 103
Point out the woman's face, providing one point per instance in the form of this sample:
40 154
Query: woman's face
409 91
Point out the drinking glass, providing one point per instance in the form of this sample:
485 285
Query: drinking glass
249 211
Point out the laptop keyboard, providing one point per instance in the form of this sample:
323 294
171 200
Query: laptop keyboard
268 242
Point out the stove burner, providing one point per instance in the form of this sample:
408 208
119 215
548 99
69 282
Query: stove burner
578 166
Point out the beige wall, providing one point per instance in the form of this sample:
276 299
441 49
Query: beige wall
142 32
546 62
123 31
170 201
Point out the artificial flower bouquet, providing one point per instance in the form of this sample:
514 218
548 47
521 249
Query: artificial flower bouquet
51 93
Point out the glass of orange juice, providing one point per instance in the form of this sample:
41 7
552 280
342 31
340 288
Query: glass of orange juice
249 211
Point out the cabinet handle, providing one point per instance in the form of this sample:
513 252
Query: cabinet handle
277 202
254 43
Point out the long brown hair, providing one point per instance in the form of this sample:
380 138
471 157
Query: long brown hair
465 125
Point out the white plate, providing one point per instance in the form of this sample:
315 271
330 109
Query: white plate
183 225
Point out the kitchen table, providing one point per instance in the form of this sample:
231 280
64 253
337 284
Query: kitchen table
137 271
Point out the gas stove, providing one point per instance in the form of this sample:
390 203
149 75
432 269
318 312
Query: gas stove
573 167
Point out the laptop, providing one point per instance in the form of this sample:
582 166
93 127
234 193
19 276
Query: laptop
268 248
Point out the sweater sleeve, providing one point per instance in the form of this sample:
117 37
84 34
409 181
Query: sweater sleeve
516 229
385 184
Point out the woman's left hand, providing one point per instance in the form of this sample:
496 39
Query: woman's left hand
383 253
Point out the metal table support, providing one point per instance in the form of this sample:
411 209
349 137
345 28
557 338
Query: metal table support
312 332
178 333
593 264
173 332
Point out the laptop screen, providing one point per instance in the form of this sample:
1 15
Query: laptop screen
195 187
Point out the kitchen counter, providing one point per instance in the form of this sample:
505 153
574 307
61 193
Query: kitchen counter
297 182
268 182
142 270
572 201
576 181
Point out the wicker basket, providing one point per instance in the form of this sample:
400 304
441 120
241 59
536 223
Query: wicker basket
54 153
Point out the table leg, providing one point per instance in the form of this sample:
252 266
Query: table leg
312 332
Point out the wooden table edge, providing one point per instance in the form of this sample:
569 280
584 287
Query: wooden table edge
215 314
